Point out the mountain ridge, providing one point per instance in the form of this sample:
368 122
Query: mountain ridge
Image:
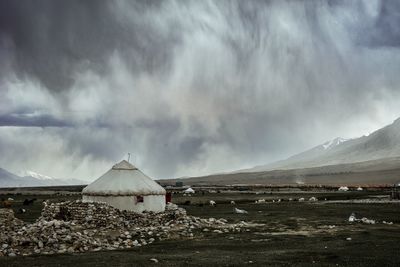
31 179
383 143
372 159
366 173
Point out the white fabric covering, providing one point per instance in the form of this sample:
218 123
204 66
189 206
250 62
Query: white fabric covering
343 188
189 191
121 186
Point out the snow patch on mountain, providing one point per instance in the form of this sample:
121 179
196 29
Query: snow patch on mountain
35 175
335 142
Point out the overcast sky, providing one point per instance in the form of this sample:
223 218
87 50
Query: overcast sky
190 87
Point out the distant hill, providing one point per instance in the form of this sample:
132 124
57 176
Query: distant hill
375 172
372 159
8 179
30 179
381 144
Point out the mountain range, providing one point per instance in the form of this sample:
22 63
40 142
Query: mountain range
383 143
372 159
32 179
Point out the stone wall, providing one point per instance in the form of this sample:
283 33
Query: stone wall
73 226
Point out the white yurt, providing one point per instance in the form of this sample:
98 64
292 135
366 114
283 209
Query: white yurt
189 191
125 187
343 188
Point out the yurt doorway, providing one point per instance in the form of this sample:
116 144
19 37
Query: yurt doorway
139 199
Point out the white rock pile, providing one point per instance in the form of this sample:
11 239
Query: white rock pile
74 226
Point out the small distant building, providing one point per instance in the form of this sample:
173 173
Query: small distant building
313 199
178 183
125 187
343 188
189 191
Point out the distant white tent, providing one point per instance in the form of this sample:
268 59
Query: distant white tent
313 199
189 191
343 188
125 187
359 189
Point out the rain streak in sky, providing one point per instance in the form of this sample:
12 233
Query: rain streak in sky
190 87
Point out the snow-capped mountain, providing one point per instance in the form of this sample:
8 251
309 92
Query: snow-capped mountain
35 175
8 179
31 178
381 144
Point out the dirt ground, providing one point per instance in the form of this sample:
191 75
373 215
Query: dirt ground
290 234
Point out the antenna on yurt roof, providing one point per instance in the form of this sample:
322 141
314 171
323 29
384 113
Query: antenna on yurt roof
129 156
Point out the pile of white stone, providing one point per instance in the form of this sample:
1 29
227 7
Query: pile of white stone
74 226
7 219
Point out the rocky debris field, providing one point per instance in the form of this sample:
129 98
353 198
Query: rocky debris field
74 226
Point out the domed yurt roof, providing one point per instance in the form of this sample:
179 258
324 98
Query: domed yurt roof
189 190
123 179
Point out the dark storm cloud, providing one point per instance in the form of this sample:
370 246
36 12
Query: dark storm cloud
191 87
386 31
55 39
31 120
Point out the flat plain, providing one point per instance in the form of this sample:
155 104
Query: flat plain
285 233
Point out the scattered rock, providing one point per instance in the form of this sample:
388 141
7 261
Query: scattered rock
75 227
352 217
367 221
239 211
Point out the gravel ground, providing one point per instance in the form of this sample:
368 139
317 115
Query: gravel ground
288 233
